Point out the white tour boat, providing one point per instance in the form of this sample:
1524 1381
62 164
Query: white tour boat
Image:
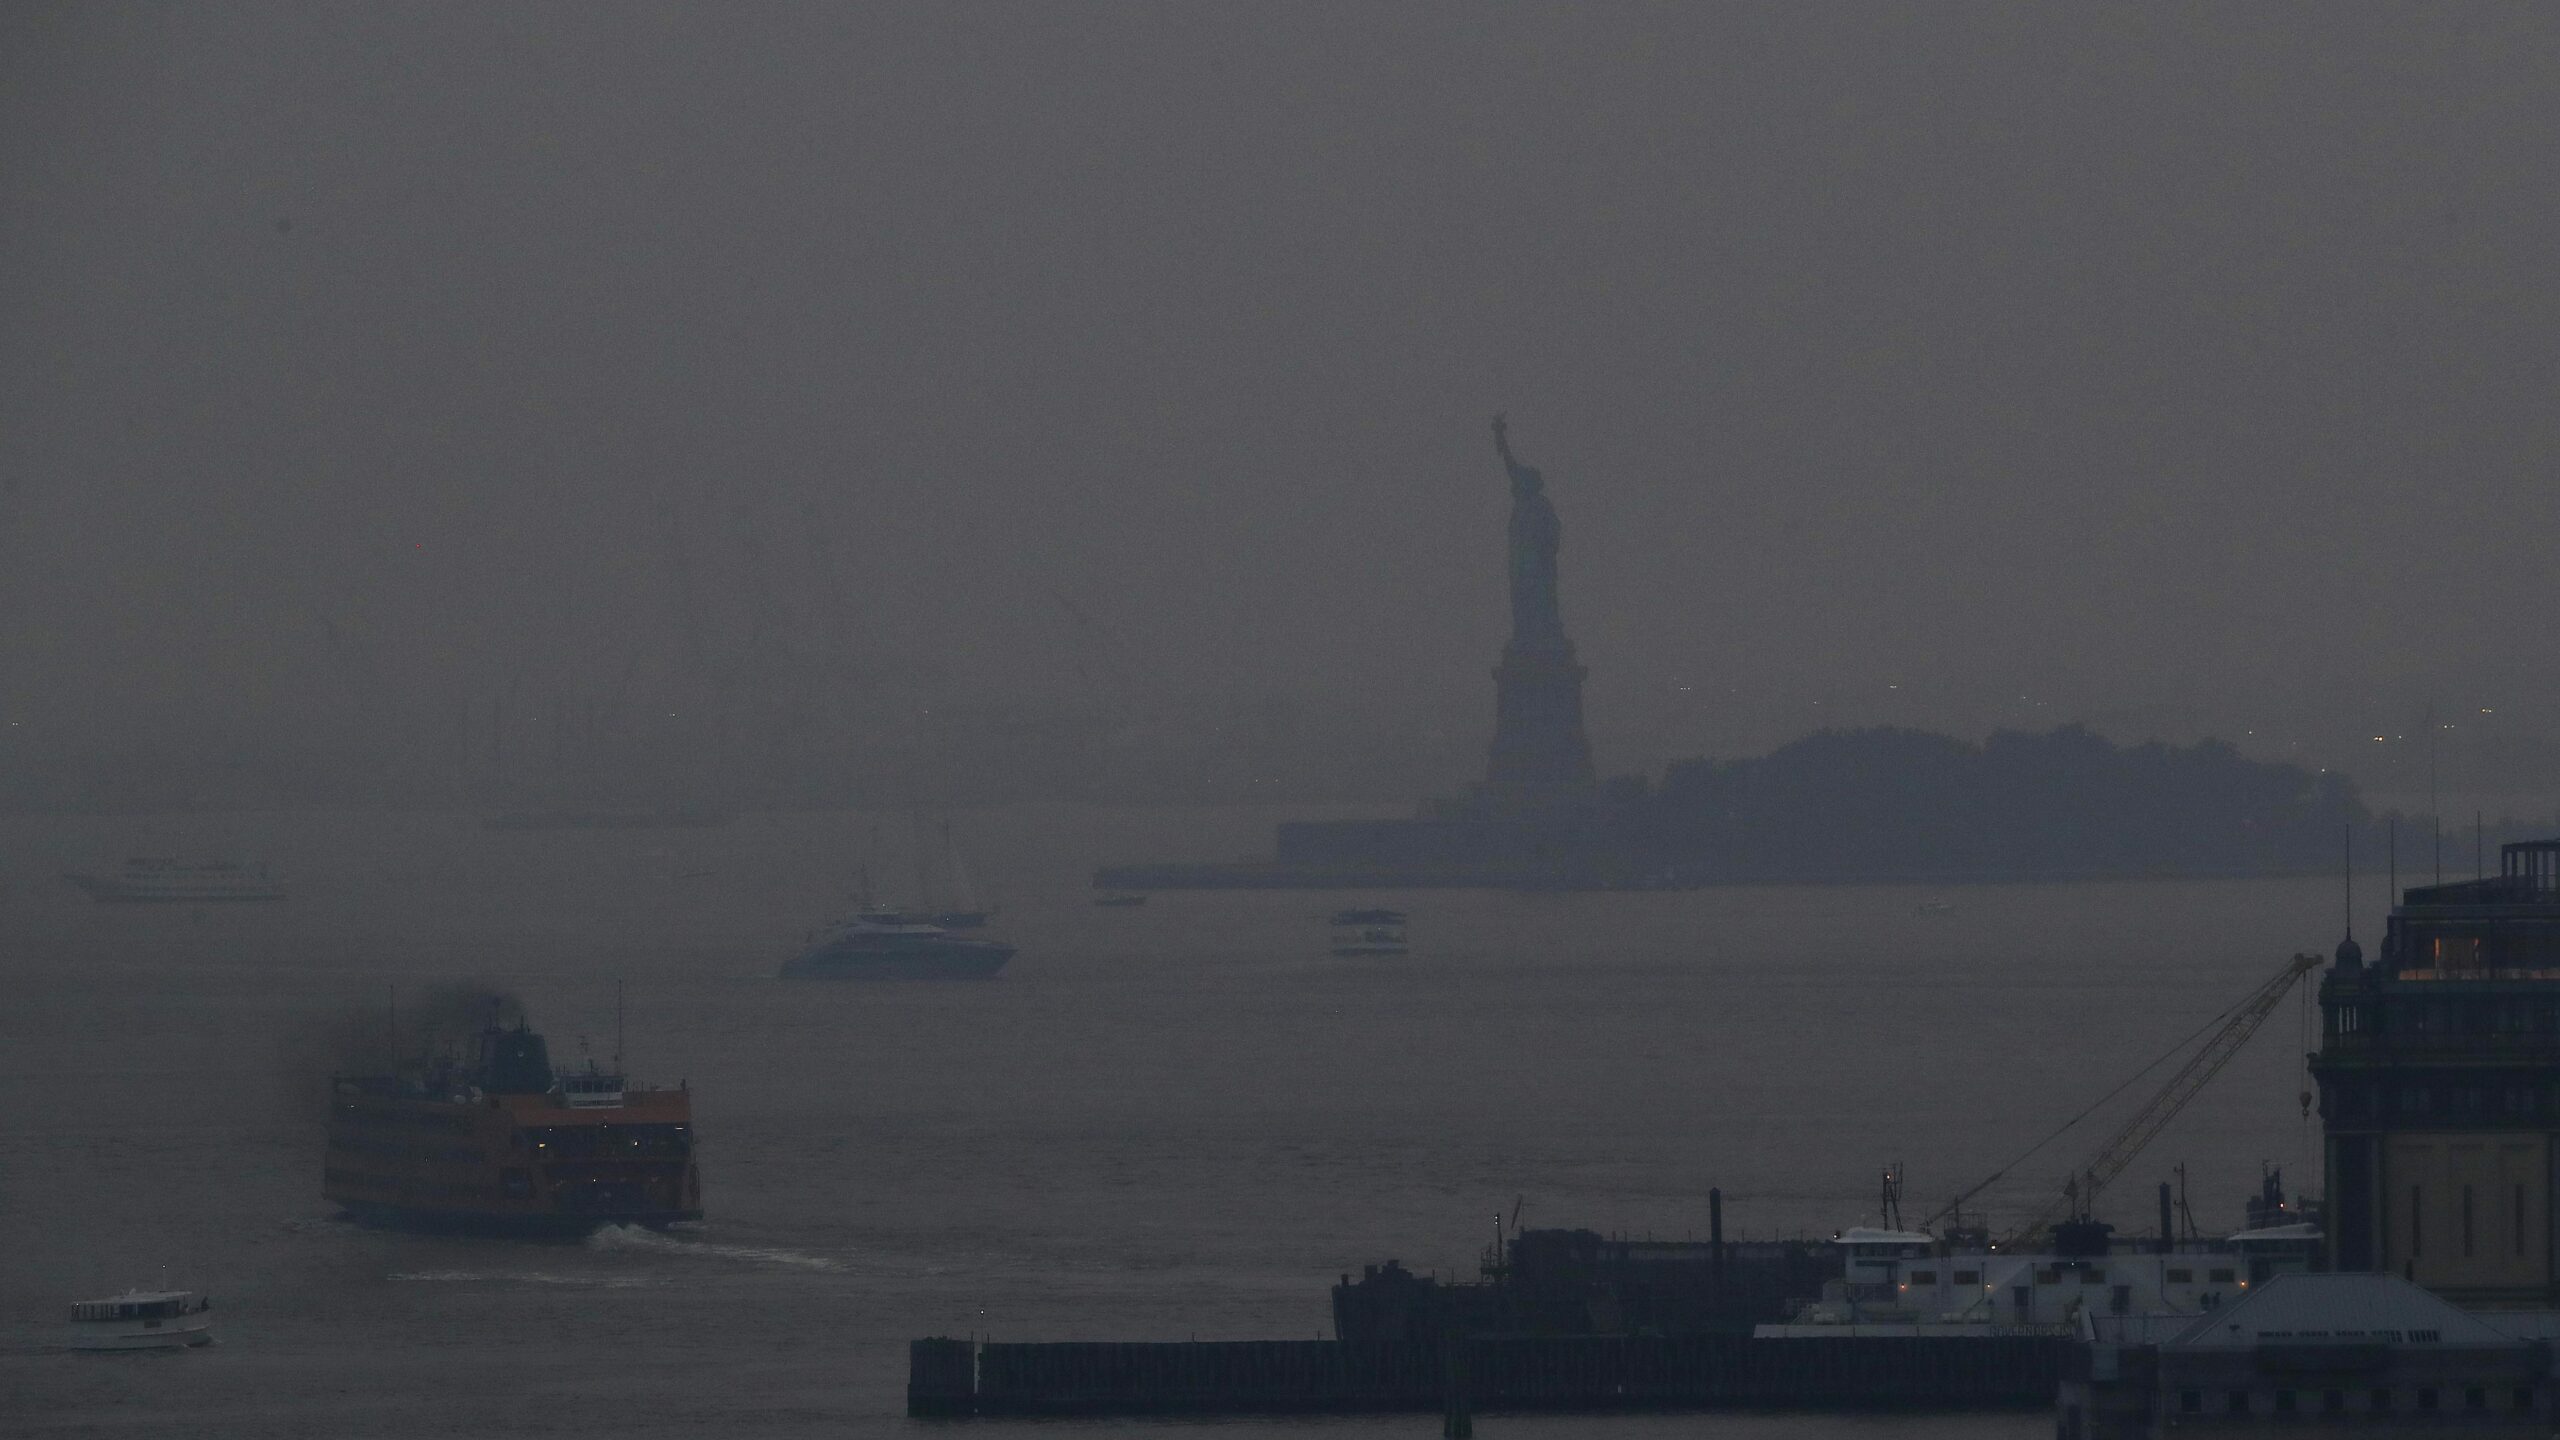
179 882
1368 932
142 1320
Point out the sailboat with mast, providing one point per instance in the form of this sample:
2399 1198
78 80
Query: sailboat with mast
945 892
923 942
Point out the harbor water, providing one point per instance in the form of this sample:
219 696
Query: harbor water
1178 1120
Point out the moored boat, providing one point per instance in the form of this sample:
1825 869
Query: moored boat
1906 1282
142 1320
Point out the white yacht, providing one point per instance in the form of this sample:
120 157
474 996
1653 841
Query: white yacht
880 944
146 880
142 1320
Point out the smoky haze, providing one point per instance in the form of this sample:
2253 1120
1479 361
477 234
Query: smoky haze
477 401
440 1020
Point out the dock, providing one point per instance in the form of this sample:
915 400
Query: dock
1574 1374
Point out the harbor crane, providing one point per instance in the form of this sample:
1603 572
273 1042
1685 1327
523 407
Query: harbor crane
2080 1192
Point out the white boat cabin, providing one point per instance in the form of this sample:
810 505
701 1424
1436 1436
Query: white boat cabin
1902 1280
142 1320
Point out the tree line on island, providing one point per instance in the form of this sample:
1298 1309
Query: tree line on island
1887 803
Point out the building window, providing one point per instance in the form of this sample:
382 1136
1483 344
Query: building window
2237 1402
2523 1399
2426 1398
2093 1276
2184 1277
2220 1275
2475 1398
1971 1277
2191 1402
2284 1402
2333 1402
1924 1277
2382 1401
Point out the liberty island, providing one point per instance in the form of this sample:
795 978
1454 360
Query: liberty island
1537 820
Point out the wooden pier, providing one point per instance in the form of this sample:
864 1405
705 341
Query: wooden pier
1556 1373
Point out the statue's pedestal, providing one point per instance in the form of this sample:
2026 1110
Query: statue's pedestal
1540 758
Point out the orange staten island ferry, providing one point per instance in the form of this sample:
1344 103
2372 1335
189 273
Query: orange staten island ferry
504 1144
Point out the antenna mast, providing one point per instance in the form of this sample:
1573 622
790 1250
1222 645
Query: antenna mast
2435 805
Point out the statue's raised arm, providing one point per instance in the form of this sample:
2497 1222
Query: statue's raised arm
1535 536
1523 477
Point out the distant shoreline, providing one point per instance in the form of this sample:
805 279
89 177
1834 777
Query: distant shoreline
1253 875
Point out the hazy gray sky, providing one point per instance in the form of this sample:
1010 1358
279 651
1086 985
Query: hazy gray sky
2192 366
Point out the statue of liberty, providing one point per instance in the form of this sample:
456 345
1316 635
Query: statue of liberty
1537 621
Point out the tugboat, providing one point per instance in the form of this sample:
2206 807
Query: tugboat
1368 932
506 1145
147 881
142 1320
882 944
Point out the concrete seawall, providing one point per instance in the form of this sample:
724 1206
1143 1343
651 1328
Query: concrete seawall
1552 1373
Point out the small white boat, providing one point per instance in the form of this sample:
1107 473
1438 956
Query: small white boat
147 881
1368 932
142 1320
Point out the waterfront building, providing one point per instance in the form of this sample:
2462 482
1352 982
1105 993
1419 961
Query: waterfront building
2312 1355
2439 1088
